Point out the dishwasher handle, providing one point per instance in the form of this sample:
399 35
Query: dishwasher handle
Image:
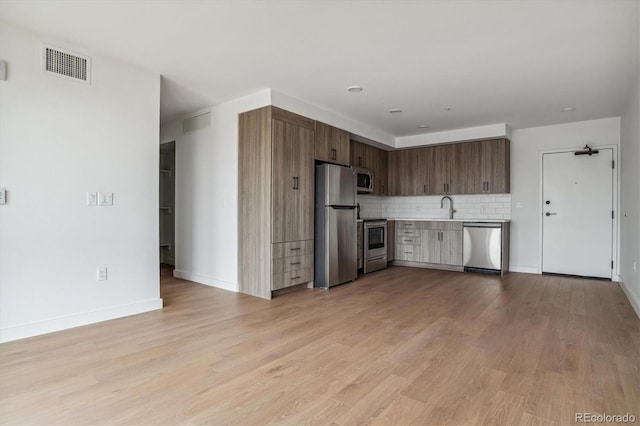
481 225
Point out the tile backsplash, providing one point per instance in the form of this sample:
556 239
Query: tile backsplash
482 206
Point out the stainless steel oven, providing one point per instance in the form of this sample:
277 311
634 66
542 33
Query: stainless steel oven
375 245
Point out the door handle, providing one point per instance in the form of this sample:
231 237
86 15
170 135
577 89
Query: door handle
550 214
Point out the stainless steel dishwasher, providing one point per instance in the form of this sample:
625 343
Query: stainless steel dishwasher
485 247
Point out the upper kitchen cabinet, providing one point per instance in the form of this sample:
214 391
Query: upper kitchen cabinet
460 168
381 176
449 171
359 155
275 203
331 144
495 166
374 159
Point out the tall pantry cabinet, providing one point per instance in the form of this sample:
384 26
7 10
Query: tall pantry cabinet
275 203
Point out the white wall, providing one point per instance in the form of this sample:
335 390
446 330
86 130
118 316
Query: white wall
206 247
527 146
58 140
630 198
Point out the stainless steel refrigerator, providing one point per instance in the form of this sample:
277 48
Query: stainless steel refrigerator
336 257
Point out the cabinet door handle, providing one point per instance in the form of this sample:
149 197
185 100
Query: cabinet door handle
295 248
444 187
359 161
424 188
295 278
295 263
334 153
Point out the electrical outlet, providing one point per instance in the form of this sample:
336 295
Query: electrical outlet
105 198
101 274
92 199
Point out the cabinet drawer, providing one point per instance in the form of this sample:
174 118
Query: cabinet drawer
408 252
410 240
407 224
443 225
291 248
407 232
293 263
288 279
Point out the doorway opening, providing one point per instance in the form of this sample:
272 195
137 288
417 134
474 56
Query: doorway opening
578 213
167 204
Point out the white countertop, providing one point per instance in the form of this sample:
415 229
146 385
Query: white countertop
439 219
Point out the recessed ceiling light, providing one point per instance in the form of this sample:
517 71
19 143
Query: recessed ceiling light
568 109
423 126
354 89
448 109
395 110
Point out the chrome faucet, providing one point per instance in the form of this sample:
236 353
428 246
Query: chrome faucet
451 209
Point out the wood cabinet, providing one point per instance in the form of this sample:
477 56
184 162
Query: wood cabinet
292 182
461 168
275 204
380 176
391 240
332 144
291 264
374 159
429 243
359 155
359 236
495 166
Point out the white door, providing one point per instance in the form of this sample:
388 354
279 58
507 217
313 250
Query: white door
577 223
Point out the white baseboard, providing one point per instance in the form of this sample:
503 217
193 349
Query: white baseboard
635 304
524 269
202 279
23 331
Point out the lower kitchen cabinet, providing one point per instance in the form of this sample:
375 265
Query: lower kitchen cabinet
291 263
429 243
359 236
391 240
451 248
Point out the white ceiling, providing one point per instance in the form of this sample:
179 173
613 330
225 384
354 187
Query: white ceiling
514 62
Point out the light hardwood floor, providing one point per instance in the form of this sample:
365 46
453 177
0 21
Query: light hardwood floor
401 346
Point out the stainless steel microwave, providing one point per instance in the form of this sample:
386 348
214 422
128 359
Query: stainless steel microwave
365 181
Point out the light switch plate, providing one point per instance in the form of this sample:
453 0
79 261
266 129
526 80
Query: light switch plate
92 199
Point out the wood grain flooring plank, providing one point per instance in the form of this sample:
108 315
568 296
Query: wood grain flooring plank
399 346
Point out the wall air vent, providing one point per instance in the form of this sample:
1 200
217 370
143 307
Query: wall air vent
200 121
65 63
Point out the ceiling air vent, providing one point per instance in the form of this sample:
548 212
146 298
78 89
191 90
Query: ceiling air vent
67 64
